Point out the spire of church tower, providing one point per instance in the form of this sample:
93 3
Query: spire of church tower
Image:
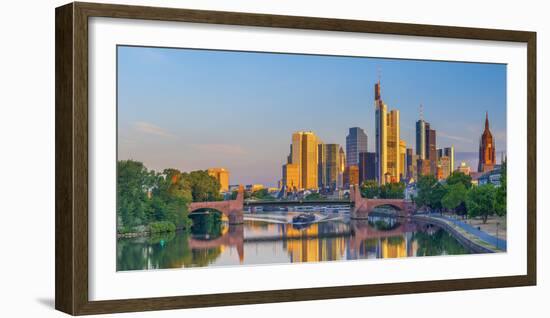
486 120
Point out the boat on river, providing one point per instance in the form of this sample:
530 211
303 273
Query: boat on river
303 218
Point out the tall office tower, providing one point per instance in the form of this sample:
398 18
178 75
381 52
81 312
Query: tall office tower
291 176
450 152
487 158
380 126
367 166
356 142
431 151
330 169
393 161
445 167
439 153
222 175
304 150
423 167
411 164
402 160
351 176
321 165
341 167
421 139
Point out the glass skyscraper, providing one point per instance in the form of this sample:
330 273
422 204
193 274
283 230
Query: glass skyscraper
356 142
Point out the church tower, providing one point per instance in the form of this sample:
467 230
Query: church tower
486 149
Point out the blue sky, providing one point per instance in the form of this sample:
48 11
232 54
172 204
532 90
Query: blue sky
195 109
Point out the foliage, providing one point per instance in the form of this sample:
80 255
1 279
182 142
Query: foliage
455 197
481 201
501 192
145 197
459 177
424 188
162 227
370 189
133 184
314 196
262 194
394 190
203 186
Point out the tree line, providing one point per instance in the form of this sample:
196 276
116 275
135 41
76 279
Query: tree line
459 195
158 201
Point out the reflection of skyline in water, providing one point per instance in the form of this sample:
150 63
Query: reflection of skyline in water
260 242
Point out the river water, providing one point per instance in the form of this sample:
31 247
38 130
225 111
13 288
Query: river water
269 237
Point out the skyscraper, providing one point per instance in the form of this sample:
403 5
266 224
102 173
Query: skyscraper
393 160
304 155
380 126
367 166
450 152
330 166
431 151
402 159
222 175
412 158
356 142
487 158
291 176
421 139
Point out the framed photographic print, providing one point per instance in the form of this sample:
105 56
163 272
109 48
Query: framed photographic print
211 158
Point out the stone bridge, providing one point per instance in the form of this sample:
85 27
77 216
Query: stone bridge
232 209
363 206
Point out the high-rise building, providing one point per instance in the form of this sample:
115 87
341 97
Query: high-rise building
387 131
393 160
450 152
380 134
321 165
423 167
291 176
445 167
487 158
402 159
421 139
222 175
304 154
356 142
330 166
367 166
412 158
351 176
431 151
342 167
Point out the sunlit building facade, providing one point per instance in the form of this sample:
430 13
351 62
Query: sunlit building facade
304 154
222 175
487 158
393 160
331 163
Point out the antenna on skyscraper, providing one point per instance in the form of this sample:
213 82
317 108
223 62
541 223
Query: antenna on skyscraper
379 74
421 111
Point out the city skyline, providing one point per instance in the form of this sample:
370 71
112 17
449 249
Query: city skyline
178 108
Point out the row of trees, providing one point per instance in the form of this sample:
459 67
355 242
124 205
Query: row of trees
150 200
395 190
458 195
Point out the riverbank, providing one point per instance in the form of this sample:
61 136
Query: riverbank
477 240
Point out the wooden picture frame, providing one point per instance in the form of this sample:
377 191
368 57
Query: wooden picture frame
71 90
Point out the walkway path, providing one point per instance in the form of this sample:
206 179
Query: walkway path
497 242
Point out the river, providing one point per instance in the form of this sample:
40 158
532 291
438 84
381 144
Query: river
270 238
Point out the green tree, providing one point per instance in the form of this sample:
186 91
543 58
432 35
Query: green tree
455 197
394 190
481 201
133 184
314 196
436 196
460 177
501 192
370 189
424 188
261 194
203 186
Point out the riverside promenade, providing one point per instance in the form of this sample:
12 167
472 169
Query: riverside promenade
479 240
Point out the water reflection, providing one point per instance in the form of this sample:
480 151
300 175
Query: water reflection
273 240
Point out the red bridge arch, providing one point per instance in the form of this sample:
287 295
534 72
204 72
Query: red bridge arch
232 209
363 206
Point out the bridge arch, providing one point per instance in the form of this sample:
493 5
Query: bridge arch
363 206
232 209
